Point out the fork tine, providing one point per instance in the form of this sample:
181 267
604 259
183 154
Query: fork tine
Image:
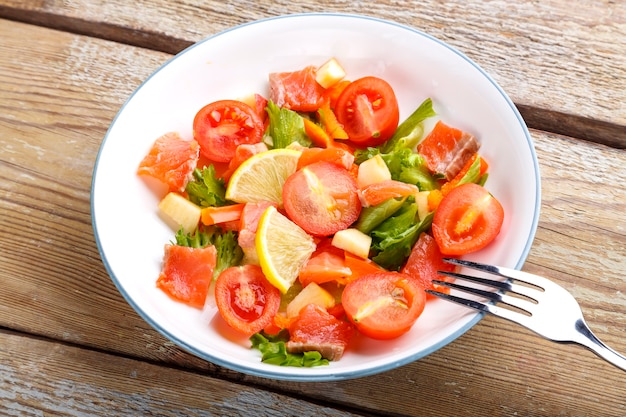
506 286
485 308
503 272
495 297
501 285
463 301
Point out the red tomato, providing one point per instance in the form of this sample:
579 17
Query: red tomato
374 194
245 298
322 198
383 305
424 262
221 126
296 90
187 273
368 110
467 219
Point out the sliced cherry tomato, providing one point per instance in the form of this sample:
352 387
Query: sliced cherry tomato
187 273
467 219
296 90
424 262
245 298
221 126
383 305
368 110
376 193
322 198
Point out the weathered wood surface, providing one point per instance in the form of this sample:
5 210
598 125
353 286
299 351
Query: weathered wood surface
74 379
58 94
562 63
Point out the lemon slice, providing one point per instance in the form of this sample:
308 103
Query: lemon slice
283 248
262 176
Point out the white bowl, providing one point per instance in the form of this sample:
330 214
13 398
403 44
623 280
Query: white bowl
232 64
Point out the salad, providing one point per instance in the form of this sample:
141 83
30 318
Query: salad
310 213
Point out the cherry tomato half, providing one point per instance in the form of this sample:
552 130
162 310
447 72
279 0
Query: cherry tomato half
467 219
322 198
368 110
383 305
221 126
245 298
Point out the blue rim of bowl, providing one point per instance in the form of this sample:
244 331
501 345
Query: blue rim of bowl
340 375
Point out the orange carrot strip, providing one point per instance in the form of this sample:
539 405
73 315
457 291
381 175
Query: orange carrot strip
223 214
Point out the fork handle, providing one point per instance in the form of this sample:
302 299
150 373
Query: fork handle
590 341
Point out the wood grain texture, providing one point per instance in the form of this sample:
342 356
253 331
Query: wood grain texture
58 94
563 64
46 378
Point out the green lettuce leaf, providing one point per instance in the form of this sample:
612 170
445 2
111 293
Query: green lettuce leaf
229 253
410 131
393 240
274 351
206 190
286 126
373 216
404 165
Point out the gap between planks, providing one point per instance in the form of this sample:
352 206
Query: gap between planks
588 129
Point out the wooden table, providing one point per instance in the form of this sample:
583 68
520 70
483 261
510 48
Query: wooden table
71 345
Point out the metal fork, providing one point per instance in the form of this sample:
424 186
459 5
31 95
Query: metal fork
542 305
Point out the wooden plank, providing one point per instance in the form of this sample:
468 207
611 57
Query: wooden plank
55 112
564 66
46 378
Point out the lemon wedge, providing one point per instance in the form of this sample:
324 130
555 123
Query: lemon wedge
283 248
262 176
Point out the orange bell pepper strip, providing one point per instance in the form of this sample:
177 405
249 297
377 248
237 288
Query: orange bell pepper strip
333 92
328 119
434 198
317 134
448 186
359 267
